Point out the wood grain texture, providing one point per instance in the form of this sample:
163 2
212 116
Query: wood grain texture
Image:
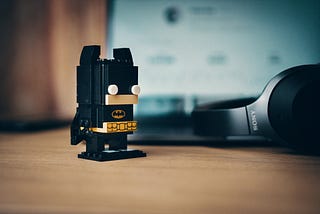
40 47
40 173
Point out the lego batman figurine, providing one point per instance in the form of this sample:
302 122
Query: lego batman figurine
106 92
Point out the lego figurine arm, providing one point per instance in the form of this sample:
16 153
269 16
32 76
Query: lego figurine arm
75 130
79 129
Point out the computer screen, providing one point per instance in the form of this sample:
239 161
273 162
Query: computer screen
206 50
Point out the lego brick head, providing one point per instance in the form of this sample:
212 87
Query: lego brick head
107 82
121 79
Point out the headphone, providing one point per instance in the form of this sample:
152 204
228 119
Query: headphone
287 111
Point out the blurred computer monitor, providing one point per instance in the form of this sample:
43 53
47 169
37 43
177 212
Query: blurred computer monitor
190 52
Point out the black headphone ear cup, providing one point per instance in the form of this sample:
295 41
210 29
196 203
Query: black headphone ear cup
306 112
293 109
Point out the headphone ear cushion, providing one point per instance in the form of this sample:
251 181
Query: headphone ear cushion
294 109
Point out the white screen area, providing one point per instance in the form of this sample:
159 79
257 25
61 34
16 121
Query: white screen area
214 47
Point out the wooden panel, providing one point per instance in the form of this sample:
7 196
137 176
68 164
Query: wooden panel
75 23
40 48
26 89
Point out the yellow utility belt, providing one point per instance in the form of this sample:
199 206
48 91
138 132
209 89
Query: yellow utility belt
114 127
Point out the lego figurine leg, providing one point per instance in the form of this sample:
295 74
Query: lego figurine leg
117 149
119 142
95 144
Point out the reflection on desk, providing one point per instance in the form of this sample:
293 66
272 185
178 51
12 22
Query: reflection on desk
40 173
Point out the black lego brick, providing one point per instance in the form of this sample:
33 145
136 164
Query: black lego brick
109 155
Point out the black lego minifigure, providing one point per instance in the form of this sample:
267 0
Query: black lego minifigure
106 92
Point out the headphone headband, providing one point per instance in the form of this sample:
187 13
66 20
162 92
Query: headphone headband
224 118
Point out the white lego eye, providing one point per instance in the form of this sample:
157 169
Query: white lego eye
113 89
135 89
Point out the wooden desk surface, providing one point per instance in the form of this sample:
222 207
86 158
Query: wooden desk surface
40 173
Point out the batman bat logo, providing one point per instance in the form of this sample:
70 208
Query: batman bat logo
118 114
